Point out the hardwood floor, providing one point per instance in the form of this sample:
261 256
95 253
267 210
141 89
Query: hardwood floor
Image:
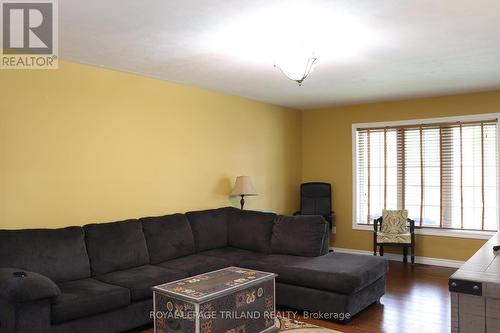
416 300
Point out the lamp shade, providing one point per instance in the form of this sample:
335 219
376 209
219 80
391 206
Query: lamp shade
243 186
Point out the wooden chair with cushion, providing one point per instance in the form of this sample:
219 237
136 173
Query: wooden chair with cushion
394 228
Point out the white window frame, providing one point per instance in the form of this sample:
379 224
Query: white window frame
423 231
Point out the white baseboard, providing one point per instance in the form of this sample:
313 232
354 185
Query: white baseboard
399 257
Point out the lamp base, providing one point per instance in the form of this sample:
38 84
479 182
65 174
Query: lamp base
242 201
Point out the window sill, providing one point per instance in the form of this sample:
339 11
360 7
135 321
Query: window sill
439 232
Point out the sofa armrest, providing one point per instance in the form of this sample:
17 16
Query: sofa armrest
26 287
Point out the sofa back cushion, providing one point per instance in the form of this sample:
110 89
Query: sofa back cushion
168 237
251 230
59 254
209 227
115 246
302 235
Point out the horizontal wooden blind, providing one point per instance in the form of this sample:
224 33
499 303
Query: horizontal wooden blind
445 174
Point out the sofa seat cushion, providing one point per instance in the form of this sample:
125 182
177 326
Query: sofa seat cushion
82 298
140 280
233 255
341 273
196 264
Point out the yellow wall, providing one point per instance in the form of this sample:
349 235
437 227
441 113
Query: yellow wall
327 156
82 144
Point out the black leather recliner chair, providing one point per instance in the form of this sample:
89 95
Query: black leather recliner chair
316 199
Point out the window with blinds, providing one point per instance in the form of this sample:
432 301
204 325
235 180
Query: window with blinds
444 174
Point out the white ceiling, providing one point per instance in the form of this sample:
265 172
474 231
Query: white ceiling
368 50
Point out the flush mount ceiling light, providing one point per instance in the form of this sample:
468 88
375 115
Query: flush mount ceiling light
294 57
297 68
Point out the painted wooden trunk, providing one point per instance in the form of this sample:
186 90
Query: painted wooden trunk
231 300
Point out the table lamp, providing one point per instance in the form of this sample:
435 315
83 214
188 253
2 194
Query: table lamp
243 186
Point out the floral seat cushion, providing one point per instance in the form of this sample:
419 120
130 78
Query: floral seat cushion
393 238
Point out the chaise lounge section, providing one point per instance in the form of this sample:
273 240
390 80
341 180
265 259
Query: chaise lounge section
98 278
